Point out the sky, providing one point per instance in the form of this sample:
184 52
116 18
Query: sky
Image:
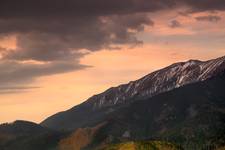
54 54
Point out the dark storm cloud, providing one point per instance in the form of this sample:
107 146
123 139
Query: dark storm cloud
205 5
174 24
43 47
209 18
195 6
54 32
67 8
54 29
50 8
63 40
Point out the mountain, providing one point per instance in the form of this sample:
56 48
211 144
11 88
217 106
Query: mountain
24 135
192 116
98 106
181 106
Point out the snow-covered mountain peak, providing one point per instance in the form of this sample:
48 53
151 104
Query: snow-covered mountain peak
193 61
166 79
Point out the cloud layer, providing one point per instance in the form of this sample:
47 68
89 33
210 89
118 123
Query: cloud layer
52 34
209 18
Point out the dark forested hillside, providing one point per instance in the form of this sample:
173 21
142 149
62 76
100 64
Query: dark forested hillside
23 135
193 115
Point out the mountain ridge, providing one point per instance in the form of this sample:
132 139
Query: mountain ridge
202 64
191 116
160 81
191 121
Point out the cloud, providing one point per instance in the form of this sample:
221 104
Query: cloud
54 33
15 75
209 18
174 24
16 89
58 46
58 40
72 8
16 72
62 27
205 5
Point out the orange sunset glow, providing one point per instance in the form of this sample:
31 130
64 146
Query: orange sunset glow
163 37
112 74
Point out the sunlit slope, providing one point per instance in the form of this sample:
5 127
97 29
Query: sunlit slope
149 145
